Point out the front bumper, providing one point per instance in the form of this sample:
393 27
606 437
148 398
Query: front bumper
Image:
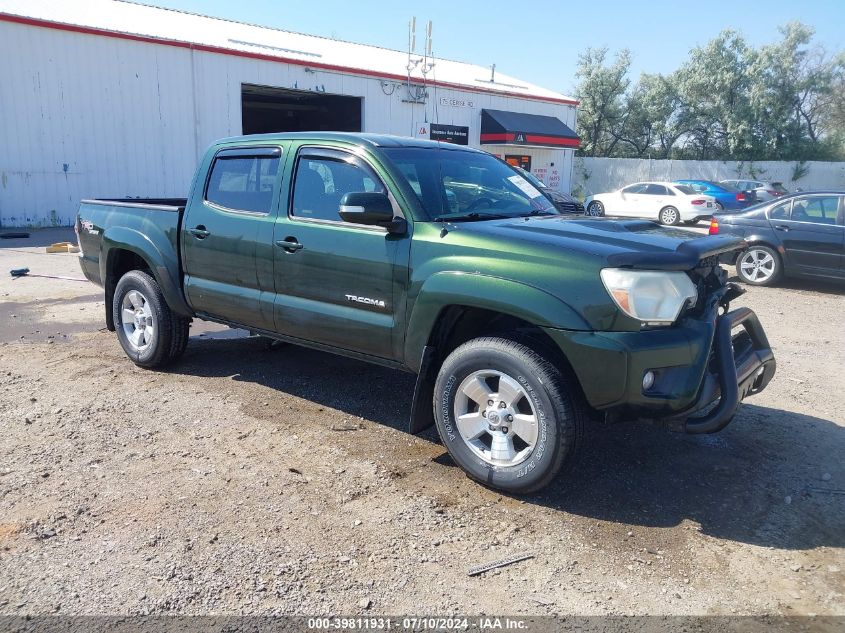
702 369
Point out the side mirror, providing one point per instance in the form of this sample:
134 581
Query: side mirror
370 208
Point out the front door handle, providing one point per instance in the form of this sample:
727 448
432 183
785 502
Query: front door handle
290 244
199 232
782 227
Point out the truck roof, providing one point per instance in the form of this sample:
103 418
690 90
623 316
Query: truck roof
361 138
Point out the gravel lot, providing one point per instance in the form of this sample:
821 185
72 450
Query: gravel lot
249 480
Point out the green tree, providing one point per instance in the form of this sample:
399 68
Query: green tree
600 91
652 124
727 101
713 86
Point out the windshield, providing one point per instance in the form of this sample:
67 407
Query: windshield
461 185
686 189
530 178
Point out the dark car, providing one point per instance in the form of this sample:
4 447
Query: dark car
728 198
563 202
798 235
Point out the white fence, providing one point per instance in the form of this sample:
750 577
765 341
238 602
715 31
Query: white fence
597 175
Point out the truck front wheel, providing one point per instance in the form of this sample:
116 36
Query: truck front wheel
507 415
151 334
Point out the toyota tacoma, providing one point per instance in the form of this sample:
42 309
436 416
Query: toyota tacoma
523 325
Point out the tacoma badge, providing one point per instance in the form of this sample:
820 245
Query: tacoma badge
371 302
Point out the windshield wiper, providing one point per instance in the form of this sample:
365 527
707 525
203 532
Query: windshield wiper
471 217
534 212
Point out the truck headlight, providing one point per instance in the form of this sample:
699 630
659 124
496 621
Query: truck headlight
653 297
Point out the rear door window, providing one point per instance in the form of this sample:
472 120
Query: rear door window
817 209
243 182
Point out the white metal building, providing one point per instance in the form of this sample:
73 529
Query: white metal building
101 98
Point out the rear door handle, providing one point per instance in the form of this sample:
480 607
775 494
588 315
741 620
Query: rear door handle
199 232
782 227
290 244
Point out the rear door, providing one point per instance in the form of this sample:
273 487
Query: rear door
812 235
654 198
227 236
337 283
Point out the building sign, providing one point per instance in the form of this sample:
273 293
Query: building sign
554 177
519 160
457 134
456 103
541 173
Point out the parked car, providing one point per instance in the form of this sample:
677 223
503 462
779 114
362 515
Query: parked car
799 235
522 324
666 202
563 201
727 196
764 190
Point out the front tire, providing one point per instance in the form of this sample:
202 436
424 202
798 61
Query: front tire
759 266
595 209
151 334
507 415
669 216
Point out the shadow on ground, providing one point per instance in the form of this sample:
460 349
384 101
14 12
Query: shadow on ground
734 485
810 285
37 237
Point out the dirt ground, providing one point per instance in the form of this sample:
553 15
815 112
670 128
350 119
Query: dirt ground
248 480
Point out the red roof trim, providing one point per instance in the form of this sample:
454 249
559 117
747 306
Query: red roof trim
530 139
60 26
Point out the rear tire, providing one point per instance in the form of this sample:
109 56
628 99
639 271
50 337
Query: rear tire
669 216
151 334
759 265
533 428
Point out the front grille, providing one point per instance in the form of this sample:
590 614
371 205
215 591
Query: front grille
569 207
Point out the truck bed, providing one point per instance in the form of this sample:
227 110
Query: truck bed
138 225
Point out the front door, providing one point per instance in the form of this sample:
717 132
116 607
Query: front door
810 233
227 237
337 283
630 201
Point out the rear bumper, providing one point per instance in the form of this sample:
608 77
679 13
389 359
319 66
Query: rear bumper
697 213
702 369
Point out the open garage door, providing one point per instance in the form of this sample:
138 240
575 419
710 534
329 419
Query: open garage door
266 109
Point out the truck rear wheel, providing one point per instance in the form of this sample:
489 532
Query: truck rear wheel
148 330
507 415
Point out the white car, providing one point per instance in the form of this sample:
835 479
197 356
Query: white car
666 202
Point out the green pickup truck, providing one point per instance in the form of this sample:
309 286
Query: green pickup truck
522 325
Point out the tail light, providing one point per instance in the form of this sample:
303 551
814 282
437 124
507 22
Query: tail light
698 202
774 193
740 197
714 227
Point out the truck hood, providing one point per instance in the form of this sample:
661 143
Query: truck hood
620 243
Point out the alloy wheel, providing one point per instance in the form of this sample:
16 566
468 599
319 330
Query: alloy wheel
669 216
137 320
496 418
757 265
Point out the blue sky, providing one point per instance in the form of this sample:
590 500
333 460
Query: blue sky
538 40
